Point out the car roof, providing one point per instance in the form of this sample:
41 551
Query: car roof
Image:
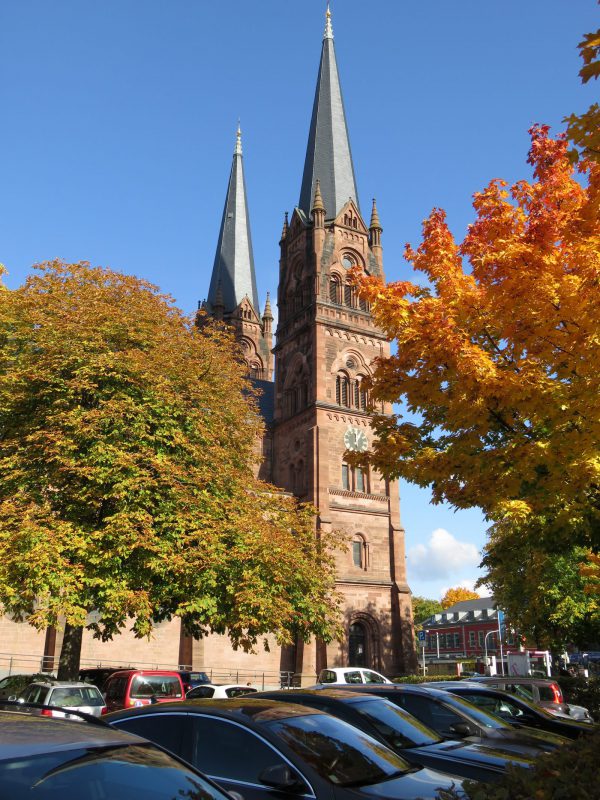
55 684
126 672
382 688
248 708
511 678
24 735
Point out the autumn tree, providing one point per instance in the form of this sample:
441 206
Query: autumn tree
126 483
584 129
457 595
423 608
497 355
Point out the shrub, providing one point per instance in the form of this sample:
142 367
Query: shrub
582 692
570 773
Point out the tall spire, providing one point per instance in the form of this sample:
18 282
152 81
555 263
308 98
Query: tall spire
233 269
328 155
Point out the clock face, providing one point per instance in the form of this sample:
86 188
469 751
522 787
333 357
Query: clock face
355 439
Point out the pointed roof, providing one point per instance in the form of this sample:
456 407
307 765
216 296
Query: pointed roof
233 275
328 155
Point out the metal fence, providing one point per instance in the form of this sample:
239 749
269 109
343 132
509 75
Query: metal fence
27 663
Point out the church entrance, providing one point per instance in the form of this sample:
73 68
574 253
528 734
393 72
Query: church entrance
357 646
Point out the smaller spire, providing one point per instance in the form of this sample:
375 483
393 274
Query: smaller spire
238 141
328 28
375 224
285 226
318 200
268 313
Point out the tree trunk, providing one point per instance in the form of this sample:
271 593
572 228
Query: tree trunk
70 653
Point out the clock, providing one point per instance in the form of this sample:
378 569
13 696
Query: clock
355 439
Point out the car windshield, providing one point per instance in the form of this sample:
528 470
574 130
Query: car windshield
481 713
338 752
72 696
398 727
138 772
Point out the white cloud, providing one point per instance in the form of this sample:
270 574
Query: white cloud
442 557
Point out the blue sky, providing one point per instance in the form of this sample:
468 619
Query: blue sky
118 127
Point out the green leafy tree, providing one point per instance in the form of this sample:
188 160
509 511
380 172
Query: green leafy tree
536 577
423 607
127 442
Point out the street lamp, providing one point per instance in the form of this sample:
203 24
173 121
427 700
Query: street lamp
485 638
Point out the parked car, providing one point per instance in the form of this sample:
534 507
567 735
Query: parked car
515 710
71 695
408 737
452 717
544 692
98 675
219 690
52 758
191 679
266 750
140 687
13 685
350 675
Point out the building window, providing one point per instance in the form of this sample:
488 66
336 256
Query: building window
342 390
346 477
355 479
471 638
481 638
348 295
335 290
457 642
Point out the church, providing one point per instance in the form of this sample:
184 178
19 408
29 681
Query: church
310 372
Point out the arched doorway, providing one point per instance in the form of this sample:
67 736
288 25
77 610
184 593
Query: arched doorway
357 646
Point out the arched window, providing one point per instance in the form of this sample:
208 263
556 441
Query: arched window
342 390
335 289
346 482
348 295
355 479
357 645
359 551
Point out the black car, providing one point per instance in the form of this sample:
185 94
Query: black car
514 710
268 749
453 717
408 737
57 759
98 675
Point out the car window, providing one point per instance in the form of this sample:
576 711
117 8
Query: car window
372 677
115 689
327 676
35 694
145 686
353 677
238 691
140 772
432 713
483 713
200 691
546 693
223 749
199 677
523 690
164 729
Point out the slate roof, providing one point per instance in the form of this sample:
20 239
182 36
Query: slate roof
266 401
233 276
328 155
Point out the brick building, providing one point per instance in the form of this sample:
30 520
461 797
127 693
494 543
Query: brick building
466 630
313 402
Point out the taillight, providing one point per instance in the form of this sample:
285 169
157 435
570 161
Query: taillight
558 698
46 712
103 710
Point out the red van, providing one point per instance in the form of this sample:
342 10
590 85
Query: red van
141 687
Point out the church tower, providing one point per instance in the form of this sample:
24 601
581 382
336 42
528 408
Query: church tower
326 343
232 295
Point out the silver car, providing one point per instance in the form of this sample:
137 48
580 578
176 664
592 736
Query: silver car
67 695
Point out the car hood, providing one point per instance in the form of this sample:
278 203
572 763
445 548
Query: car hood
418 784
493 756
528 739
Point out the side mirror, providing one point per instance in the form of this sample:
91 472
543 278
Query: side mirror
461 729
281 777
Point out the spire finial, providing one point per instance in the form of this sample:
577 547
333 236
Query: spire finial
238 141
268 313
328 29
285 226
